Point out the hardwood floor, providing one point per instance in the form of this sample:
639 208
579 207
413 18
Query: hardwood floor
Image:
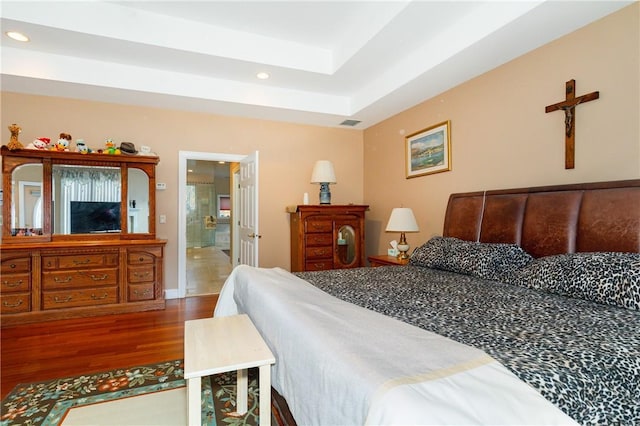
45 351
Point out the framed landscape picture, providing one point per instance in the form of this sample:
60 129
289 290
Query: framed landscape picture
429 150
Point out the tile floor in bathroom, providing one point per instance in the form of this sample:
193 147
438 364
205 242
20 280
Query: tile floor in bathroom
207 269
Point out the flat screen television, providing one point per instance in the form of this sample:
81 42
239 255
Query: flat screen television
95 216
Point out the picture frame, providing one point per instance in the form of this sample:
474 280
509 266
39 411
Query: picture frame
428 151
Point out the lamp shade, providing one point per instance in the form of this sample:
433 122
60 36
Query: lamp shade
323 172
402 220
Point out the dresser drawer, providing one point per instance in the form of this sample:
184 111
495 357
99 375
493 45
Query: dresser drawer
80 260
15 303
141 274
317 225
314 240
18 264
84 297
11 283
141 292
141 258
319 265
319 252
79 278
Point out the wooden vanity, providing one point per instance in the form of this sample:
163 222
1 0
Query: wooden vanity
78 236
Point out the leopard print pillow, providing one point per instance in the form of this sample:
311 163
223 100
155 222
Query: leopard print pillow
489 261
610 278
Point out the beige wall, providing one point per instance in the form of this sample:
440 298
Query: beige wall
501 135
501 138
287 155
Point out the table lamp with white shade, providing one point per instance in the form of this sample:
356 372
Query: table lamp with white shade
402 220
324 174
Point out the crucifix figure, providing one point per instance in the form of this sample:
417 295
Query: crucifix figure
569 108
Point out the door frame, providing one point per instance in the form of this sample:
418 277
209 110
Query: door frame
183 157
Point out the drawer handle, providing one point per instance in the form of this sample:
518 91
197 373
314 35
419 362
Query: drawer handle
63 280
12 305
102 278
65 300
142 293
141 275
10 284
318 265
104 296
81 262
12 266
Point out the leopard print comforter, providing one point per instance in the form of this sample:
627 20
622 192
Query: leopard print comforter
582 356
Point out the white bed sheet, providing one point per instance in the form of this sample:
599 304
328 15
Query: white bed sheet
339 364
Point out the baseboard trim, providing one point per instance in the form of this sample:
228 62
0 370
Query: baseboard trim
171 294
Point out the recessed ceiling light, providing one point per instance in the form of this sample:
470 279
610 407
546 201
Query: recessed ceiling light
262 75
17 36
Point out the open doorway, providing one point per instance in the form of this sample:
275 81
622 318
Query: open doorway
243 192
208 215
238 214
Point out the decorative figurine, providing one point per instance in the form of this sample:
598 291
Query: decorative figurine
82 147
14 143
63 142
39 143
110 147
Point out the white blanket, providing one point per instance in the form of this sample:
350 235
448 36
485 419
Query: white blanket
339 364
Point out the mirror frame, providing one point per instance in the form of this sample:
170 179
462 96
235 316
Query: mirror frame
13 159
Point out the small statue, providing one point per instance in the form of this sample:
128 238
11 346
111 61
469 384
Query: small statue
82 147
14 143
39 143
63 142
110 147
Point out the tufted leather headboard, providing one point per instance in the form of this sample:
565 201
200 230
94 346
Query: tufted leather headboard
603 216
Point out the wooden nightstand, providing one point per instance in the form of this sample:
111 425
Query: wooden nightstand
385 260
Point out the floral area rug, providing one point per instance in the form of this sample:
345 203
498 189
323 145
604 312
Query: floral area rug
47 403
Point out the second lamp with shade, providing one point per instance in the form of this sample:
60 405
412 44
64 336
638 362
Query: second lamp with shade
402 220
324 174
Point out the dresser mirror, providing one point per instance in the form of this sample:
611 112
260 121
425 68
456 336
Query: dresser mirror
85 200
138 201
26 196
346 245
52 196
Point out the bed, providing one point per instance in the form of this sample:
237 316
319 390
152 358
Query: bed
525 311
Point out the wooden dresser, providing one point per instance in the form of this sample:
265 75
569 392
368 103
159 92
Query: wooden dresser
60 261
327 237
56 281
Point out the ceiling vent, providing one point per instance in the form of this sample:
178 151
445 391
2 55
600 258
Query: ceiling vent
350 123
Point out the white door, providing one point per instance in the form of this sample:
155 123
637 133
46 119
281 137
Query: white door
248 217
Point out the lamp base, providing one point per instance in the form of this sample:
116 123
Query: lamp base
325 194
403 247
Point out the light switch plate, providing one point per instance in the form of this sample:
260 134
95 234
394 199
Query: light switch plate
161 186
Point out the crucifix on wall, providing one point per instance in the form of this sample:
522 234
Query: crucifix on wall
569 108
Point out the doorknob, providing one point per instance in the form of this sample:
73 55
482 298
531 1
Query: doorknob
253 235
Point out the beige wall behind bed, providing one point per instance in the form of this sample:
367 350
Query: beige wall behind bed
501 135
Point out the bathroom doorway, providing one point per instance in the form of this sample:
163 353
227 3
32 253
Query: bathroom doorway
208 226
243 212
